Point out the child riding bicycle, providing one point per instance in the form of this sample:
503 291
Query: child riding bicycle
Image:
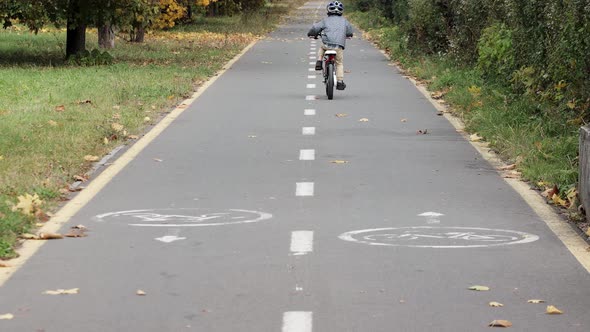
334 30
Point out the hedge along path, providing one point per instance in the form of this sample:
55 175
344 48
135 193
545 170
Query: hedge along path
29 248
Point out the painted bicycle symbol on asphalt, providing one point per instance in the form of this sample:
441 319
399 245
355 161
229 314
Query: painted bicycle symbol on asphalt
175 217
438 237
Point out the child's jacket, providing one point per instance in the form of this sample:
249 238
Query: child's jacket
335 30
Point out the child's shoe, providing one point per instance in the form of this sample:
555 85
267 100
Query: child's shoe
340 85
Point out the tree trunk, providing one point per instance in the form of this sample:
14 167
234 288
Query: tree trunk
76 31
106 36
75 38
138 35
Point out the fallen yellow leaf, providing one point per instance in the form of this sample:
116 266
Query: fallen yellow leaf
500 323
404 120
105 141
28 204
50 236
1 158
341 115
147 119
557 200
496 304
508 167
479 288
552 310
60 108
91 158
117 127
140 293
6 316
475 138
4 265
132 137
339 162
158 160
52 123
62 291
364 120
536 301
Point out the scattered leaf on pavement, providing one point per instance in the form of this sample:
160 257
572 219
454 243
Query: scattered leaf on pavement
552 310
158 160
341 115
79 227
6 316
500 323
140 293
479 288
62 291
404 120
91 158
364 120
422 132
252 136
440 113
75 232
60 108
536 301
496 304
339 162
50 236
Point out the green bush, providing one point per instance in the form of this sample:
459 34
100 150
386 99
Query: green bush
495 50
92 58
426 27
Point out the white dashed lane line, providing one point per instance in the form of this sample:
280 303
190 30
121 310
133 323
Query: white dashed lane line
308 131
301 242
304 189
308 154
311 86
309 112
297 321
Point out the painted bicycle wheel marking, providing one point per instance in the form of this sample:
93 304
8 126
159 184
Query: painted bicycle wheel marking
184 217
438 237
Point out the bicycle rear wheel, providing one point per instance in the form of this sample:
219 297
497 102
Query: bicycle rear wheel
330 81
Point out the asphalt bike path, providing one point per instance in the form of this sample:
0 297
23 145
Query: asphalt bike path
260 209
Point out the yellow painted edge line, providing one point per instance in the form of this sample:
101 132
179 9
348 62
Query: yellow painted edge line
30 247
570 238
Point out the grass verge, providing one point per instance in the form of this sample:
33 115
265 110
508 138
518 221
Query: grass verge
56 118
543 144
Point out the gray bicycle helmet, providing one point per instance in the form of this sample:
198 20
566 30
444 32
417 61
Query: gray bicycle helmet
335 8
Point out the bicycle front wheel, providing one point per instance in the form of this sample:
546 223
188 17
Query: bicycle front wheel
330 81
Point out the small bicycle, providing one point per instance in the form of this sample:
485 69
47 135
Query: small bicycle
328 68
